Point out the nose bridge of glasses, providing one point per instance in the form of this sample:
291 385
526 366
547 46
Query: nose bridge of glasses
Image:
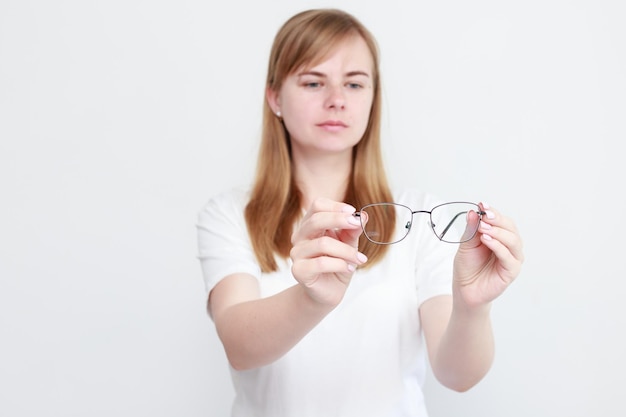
429 222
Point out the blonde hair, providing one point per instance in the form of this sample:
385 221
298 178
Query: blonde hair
274 206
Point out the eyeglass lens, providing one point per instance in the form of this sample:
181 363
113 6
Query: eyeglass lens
374 216
449 222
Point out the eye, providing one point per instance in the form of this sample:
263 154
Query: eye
311 84
354 85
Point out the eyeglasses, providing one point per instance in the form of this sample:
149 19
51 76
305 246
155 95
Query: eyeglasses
449 221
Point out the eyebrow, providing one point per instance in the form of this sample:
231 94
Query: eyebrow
322 75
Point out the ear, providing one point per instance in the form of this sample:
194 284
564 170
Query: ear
273 100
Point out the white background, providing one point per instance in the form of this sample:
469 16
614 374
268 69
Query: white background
119 119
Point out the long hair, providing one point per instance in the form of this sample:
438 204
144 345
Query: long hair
275 202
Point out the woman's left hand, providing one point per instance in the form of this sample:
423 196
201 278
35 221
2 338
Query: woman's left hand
488 263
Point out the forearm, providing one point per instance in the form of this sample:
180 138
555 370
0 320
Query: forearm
257 332
466 350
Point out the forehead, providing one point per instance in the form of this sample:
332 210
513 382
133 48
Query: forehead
351 53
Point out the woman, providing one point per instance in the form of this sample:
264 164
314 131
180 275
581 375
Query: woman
315 317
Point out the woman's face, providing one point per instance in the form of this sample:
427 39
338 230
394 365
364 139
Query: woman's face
326 108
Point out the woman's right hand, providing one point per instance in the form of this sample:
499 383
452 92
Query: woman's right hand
325 250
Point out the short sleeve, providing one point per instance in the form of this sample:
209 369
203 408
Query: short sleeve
433 275
224 247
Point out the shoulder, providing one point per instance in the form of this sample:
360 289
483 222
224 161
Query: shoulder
224 208
233 200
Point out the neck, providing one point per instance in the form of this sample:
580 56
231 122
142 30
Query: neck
326 177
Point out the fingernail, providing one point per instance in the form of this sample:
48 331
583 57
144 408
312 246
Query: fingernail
490 214
487 237
361 257
348 209
485 226
351 267
486 206
354 221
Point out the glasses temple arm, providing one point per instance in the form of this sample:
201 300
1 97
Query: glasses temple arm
480 213
450 224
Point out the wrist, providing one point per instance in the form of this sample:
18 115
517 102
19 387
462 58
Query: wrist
311 302
463 309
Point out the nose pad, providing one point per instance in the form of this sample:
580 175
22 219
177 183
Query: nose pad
407 226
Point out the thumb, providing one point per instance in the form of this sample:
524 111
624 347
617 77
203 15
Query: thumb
470 236
350 236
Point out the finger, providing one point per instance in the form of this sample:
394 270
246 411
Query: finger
469 237
509 239
329 247
508 264
495 218
328 205
321 222
506 246
307 270
494 225
349 236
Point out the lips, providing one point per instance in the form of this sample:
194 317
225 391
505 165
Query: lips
332 124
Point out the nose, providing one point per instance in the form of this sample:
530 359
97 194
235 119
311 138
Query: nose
336 99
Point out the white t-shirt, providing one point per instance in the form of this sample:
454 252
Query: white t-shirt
367 357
